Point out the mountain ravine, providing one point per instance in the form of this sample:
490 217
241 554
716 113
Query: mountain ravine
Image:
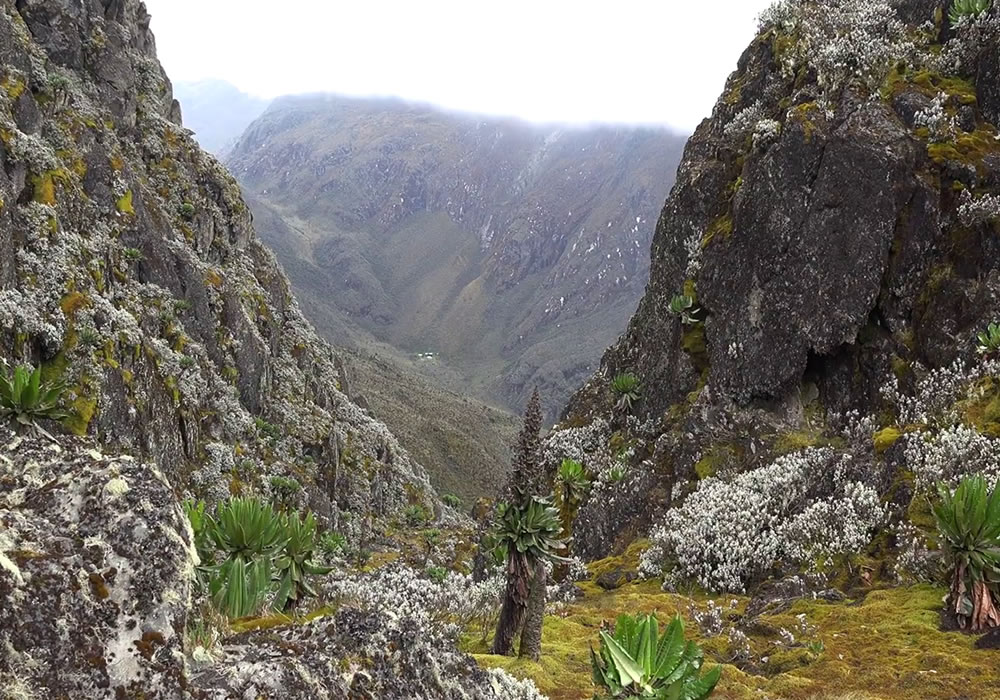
513 252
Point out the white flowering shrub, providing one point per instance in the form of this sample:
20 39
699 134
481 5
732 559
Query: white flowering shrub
937 391
765 132
935 119
971 36
973 211
729 534
950 455
843 41
454 604
915 561
745 121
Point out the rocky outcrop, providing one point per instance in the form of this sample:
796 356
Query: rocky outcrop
493 243
831 223
96 568
130 270
402 661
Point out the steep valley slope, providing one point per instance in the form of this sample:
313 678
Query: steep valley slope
514 253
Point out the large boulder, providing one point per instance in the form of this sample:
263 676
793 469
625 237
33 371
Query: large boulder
96 567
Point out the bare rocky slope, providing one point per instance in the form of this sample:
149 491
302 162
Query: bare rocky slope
513 251
129 270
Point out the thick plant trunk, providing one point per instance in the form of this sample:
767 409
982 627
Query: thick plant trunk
531 635
515 603
567 513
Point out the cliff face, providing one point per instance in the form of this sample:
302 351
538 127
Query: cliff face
835 222
504 247
130 269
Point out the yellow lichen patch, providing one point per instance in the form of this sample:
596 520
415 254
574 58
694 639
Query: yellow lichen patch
44 187
73 302
796 440
886 438
884 647
125 204
13 86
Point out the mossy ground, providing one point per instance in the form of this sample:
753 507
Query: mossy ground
885 645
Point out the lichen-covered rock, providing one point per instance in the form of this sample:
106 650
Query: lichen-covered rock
834 224
130 269
353 654
96 567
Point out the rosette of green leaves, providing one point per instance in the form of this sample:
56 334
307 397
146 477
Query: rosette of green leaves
249 534
295 564
638 662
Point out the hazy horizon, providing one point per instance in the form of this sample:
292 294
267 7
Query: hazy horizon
643 64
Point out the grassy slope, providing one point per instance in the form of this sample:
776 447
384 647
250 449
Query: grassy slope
884 646
463 443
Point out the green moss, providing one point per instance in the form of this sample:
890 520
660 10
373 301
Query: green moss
982 412
694 344
939 275
796 440
714 458
805 114
968 148
722 226
900 367
13 86
125 204
627 560
82 413
44 186
886 644
886 438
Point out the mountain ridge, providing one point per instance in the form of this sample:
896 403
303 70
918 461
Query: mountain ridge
513 250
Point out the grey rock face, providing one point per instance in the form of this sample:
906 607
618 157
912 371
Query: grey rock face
96 567
822 237
812 225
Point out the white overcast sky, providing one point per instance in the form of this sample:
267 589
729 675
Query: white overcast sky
634 61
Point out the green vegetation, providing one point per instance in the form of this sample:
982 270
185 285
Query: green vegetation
989 341
627 386
332 543
966 9
262 551
683 305
969 523
295 563
533 530
637 662
451 500
415 515
249 535
26 398
285 490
